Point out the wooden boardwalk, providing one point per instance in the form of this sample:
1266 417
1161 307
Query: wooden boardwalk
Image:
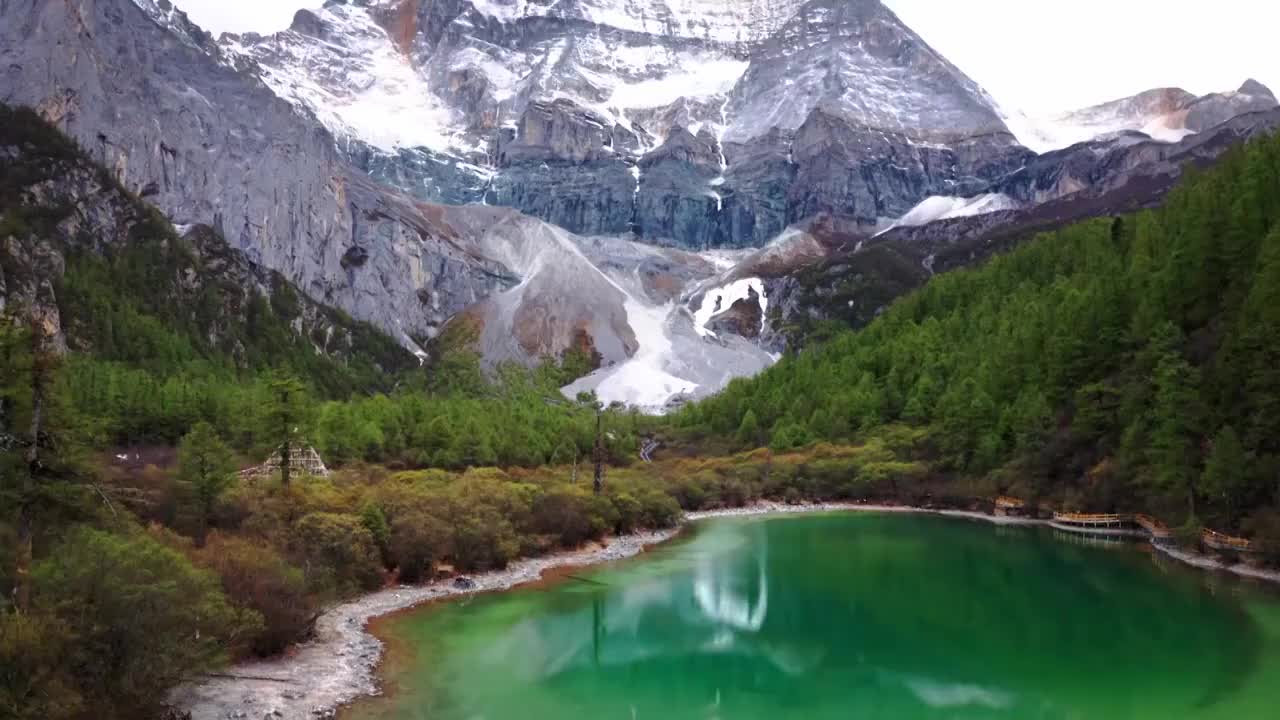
1092 520
1117 525
1227 543
1109 525
1156 529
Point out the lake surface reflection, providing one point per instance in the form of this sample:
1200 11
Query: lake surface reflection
849 616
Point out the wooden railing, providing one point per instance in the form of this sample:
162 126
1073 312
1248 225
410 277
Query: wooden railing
1090 519
1218 541
1157 529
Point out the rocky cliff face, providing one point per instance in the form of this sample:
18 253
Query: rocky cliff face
57 208
208 145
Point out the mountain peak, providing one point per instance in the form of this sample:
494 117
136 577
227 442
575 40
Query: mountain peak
1253 87
308 23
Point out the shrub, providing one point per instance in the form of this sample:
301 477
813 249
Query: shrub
34 682
482 539
376 523
257 578
142 616
689 493
733 493
424 477
571 515
417 541
658 510
628 510
339 553
1264 524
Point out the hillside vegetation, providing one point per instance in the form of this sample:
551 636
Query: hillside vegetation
1119 364
128 567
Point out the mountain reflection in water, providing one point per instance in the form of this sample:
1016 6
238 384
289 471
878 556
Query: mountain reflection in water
867 616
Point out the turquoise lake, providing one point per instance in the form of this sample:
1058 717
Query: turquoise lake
849 616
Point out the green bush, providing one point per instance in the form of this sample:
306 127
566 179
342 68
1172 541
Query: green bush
572 515
658 510
142 618
628 510
34 680
482 539
339 552
417 541
257 578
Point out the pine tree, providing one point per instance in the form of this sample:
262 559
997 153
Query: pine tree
820 424
749 429
40 448
1225 472
285 419
1255 354
206 465
1176 418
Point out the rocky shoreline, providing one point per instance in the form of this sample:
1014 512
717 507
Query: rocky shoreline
340 664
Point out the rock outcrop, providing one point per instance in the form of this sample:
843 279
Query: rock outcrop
210 146
57 207
742 318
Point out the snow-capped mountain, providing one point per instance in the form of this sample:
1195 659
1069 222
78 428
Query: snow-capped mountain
1165 114
695 123
591 153
699 123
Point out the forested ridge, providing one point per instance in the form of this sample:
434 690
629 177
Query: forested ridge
167 331
1119 364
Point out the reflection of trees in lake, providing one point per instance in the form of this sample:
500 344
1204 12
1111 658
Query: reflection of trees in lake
935 612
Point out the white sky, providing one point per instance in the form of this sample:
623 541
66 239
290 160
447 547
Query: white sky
1037 55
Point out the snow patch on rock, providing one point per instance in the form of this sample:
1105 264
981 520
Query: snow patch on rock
695 76
718 301
1048 133
725 21
643 381
940 207
676 359
356 82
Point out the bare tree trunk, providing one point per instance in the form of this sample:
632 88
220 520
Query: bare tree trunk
284 464
597 485
202 531
22 574
26 522
37 410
